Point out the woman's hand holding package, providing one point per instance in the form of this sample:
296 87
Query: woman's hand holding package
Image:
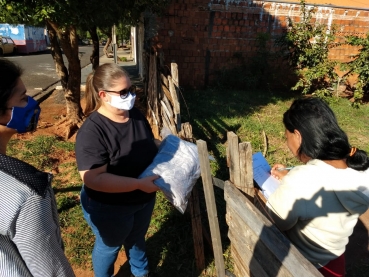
146 184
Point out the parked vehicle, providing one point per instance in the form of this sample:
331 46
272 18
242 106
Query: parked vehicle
86 42
28 39
7 46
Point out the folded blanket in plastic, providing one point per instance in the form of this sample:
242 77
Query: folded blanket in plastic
177 164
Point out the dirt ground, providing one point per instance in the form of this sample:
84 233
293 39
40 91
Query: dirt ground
357 252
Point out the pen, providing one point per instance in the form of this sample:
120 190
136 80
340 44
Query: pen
284 168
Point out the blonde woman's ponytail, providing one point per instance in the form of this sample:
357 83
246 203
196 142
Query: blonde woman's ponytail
91 95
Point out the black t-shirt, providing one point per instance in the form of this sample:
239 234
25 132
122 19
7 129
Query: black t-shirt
127 148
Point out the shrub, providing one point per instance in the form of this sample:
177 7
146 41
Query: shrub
359 66
305 45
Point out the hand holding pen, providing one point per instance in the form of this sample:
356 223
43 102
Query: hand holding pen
279 171
284 168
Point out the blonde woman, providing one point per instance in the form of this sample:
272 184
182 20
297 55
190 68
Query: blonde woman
113 147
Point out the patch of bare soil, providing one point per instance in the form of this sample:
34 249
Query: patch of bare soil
121 268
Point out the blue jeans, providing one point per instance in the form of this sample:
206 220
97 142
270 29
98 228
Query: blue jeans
113 227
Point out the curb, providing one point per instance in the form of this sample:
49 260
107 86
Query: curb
45 93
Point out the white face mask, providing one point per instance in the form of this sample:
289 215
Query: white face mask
122 104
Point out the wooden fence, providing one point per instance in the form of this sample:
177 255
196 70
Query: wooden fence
163 111
163 91
258 247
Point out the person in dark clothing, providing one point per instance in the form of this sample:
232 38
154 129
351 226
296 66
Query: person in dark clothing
114 146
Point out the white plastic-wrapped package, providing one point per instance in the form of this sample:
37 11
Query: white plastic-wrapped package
177 164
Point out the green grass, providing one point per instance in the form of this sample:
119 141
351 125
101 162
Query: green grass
212 113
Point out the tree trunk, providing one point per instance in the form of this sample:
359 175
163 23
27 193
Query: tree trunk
57 55
106 52
94 58
72 92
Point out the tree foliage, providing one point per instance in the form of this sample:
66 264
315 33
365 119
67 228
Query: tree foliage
63 19
306 44
359 65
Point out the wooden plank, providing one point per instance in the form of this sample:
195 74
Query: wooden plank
169 117
174 72
246 174
273 239
260 203
176 106
167 94
164 80
167 110
211 207
218 183
169 106
166 121
239 269
153 121
246 261
233 158
152 94
197 229
247 241
186 132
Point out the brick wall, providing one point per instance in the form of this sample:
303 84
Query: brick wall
203 36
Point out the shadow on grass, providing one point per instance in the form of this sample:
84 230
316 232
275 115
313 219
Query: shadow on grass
206 111
68 189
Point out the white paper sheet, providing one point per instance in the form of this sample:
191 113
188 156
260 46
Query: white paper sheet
262 177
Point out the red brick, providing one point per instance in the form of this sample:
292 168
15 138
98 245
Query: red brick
217 21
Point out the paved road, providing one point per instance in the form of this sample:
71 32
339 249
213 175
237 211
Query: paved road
39 68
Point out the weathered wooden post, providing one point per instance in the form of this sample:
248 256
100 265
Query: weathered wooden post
211 207
239 161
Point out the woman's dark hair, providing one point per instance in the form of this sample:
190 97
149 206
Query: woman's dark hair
103 77
9 74
322 138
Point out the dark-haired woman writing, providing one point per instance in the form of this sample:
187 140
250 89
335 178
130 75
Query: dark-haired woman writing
318 204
